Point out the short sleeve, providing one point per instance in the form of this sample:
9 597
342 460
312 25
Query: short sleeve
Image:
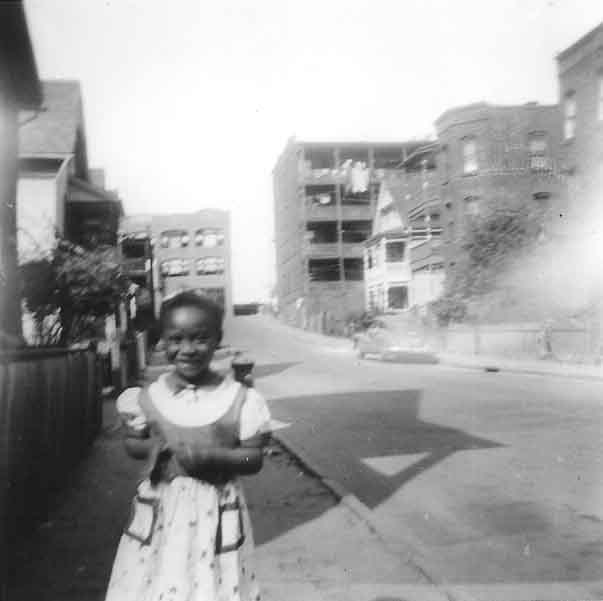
255 416
128 407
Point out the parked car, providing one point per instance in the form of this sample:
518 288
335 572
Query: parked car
380 343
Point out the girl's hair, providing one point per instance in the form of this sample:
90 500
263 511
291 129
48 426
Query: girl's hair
189 298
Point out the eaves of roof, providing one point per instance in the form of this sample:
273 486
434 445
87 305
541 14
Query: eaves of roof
18 69
97 194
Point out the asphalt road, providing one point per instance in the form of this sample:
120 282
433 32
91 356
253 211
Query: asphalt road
494 479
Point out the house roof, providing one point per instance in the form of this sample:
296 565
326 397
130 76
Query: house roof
54 130
81 191
17 62
580 42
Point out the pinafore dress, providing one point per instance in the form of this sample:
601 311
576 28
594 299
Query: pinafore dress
187 539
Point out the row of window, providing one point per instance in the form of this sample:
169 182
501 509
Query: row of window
206 237
570 109
538 150
328 270
325 195
203 266
326 232
472 208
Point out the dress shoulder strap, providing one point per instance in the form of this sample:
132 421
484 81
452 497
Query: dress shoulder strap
239 401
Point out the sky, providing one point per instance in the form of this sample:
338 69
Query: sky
188 103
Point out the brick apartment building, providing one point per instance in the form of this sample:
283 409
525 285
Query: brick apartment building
190 251
491 155
324 199
580 70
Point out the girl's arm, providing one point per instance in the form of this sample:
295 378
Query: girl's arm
224 462
136 435
137 442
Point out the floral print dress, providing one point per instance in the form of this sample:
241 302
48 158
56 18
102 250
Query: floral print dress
181 559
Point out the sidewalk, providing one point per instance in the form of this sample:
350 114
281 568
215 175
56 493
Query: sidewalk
550 367
546 367
308 546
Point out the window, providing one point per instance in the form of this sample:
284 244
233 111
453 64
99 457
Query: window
472 206
350 197
469 155
174 238
569 114
445 162
354 232
319 158
538 151
394 252
320 196
323 270
600 96
210 266
353 269
175 267
397 297
209 237
321 232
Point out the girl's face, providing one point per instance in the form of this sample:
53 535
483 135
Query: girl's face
191 337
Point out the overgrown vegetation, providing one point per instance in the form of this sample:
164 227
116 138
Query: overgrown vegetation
69 291
492 244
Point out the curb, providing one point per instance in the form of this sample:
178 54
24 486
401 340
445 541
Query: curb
364 513
530 371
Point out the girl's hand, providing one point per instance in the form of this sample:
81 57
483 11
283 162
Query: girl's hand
193 460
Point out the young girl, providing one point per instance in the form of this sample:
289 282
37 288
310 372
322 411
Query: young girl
189 537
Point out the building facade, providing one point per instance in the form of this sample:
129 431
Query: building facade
580 70
189 252
57 193
403 265
20 90
492 156
325 195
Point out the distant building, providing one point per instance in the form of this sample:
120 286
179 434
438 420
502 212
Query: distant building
403 265
496 155
580 70
190 252
137 261
325 195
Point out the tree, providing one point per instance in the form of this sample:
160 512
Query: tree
493 243
69 291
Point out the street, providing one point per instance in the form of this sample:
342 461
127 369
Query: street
492 480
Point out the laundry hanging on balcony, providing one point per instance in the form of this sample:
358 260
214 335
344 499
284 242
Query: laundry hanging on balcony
358 178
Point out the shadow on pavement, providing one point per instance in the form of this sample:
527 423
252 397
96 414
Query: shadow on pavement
372 442
69 555
270 369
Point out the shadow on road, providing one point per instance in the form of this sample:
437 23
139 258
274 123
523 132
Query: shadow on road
373 442
270 369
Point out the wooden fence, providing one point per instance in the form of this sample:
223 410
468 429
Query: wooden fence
50 412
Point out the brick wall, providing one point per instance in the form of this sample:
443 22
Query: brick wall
504 172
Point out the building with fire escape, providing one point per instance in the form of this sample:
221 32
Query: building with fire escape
325 194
